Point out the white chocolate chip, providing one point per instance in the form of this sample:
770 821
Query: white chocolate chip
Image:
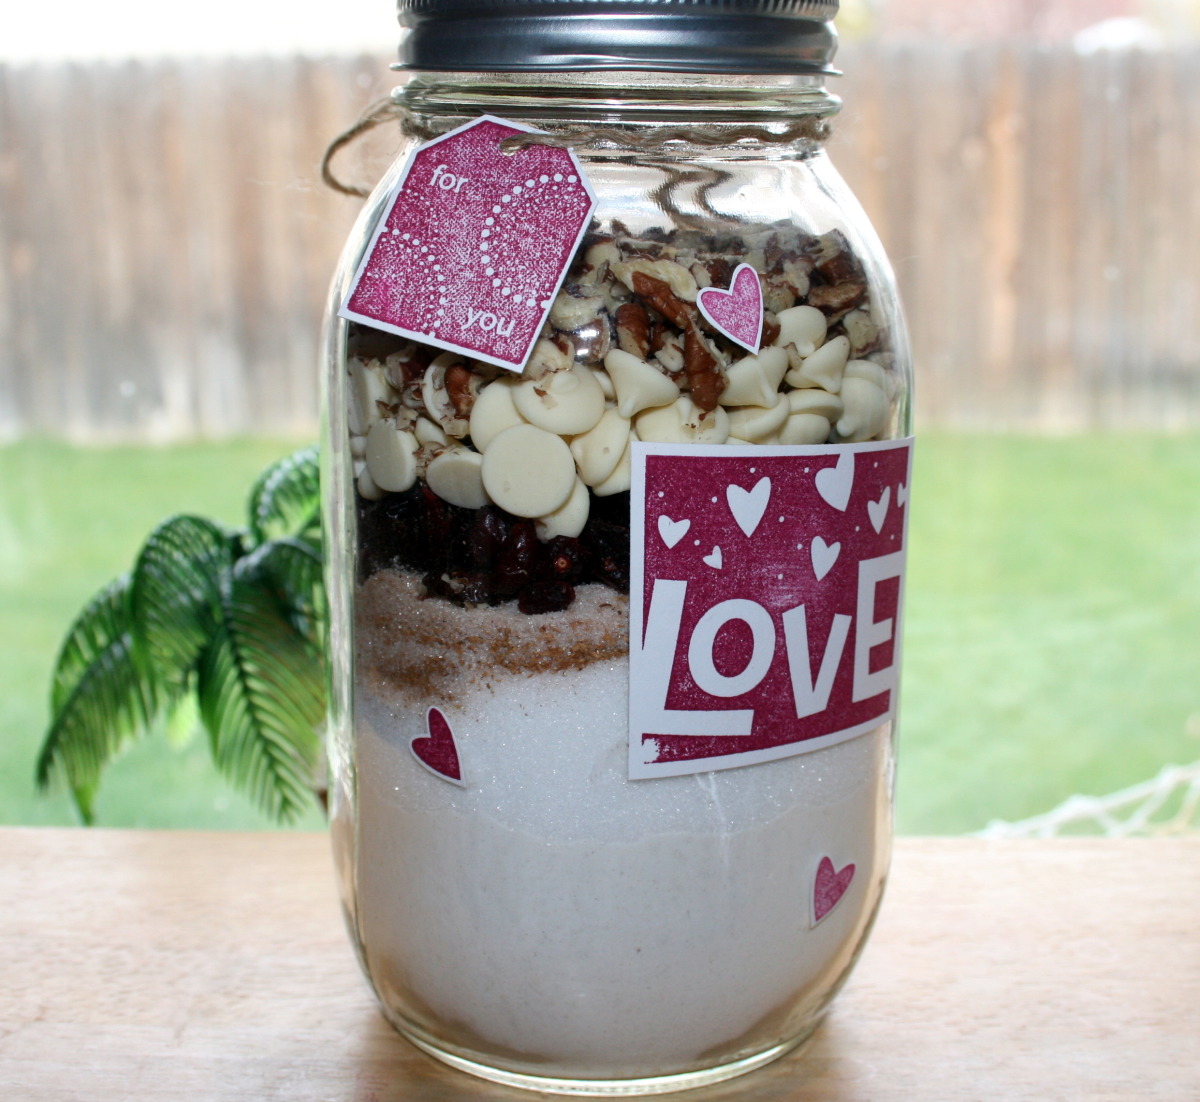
493 412
871 371
824 367
456 476
368 387
598 451
367 487
756 423
638 385
805 428
683 422
563 402
866 409
605 380
754 380
803 326
391 456
621 478
528 471
569 518
427 432
817 401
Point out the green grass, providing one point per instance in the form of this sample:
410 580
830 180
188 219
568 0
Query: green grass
1051 644
1053 632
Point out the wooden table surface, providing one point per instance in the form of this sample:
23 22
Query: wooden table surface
177 967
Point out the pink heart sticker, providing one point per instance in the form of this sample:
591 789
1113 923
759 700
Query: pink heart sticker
829 887
738 312
436 750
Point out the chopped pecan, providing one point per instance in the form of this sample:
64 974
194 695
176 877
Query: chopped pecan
842 267
575 306
773 253
778 294
720 271
633 329
657 293
836 299
460 389
704 375
770 329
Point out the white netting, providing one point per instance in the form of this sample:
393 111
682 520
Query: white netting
1168 804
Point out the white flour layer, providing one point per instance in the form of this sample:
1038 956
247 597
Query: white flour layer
561 916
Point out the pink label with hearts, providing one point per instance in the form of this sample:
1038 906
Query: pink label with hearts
766 594
474 243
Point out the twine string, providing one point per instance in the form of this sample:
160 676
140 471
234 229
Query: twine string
646 141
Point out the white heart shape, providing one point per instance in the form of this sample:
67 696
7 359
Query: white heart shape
902 494
748 506
835 483
824 555
714 560
877 510
672 531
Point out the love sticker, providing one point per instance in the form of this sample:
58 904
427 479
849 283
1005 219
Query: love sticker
766 597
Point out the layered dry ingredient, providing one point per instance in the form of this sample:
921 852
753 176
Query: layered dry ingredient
497 487
548 915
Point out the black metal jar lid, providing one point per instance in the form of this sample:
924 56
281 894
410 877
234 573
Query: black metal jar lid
700 36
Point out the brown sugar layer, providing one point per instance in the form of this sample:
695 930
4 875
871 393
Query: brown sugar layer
421 647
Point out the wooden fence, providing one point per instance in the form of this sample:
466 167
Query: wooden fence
165 245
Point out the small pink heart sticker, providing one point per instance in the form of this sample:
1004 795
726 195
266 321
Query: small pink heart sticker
436 750
829 887
738 312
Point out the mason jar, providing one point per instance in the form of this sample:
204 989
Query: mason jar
616 474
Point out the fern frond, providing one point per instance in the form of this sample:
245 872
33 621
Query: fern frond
104 617
261 697
286 499
175 594
100 700
291 570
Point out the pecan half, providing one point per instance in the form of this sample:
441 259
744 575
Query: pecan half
658 294
704 375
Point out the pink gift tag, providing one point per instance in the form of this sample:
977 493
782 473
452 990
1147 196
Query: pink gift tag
474 244
766 591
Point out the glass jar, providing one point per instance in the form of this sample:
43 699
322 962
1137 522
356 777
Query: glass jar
538 895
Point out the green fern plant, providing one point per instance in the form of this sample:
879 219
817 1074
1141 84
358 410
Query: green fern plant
223 624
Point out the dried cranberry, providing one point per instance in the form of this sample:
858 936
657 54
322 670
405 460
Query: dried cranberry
517 560
437 585
488 534
542 597
608 548
476 590
564 557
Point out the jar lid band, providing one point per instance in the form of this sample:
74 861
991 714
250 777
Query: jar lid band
699 36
